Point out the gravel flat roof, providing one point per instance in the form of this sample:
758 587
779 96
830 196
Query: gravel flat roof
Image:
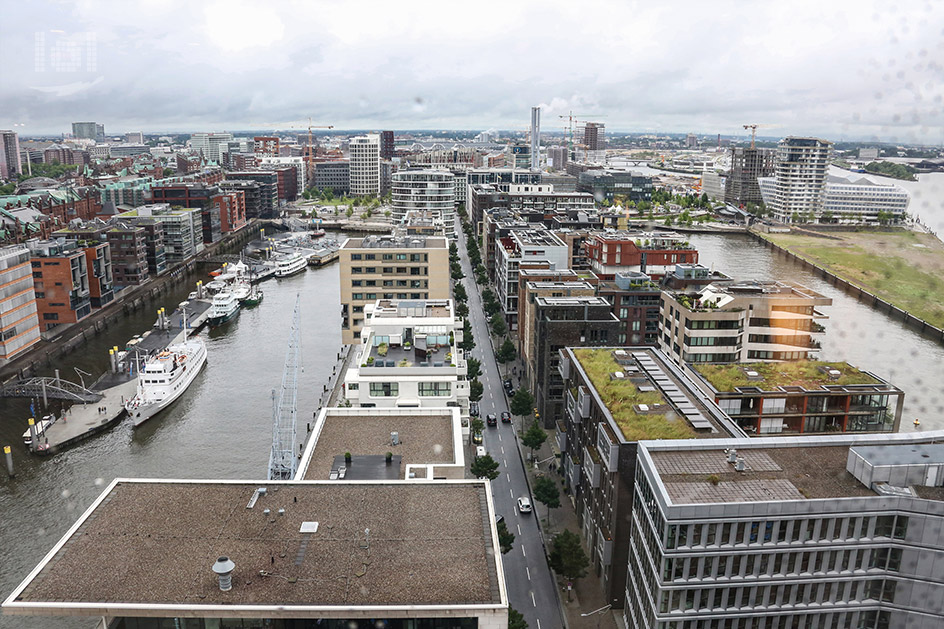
153 542
424 439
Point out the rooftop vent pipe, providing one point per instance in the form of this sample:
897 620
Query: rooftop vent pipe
224 570
732 455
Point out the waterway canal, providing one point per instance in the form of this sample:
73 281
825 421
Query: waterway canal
220 428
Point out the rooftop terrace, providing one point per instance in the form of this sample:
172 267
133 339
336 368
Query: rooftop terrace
809 374
148 543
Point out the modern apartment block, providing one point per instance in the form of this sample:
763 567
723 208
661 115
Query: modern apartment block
265 146
854 200
210 145
389 267
528 294
799 193
19 323
333 175
298 163
60 282
325 553
520 247
652 253
605 184
365 164
183 229
425 190
747 165
614 398
155 250
266 204
802 397
594 136
409 357
741 322
128 253
634 299
11 163
387 145
824 531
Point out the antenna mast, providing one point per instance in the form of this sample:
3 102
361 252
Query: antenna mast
282 461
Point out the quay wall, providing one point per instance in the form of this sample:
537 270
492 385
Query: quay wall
130 300
876 302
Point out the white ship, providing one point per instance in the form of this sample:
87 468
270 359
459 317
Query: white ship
224 307
290 264
241 289
165 377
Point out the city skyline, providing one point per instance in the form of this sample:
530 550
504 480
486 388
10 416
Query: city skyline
675 68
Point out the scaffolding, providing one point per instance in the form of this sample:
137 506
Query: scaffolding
282 460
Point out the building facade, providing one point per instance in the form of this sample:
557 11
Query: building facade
182 229
425 190
837 531
652 253
741 322
60 282
365 165
88 131
210 145
604 185
747 166
387 145
11 164
799 192
389 267
333 175
129 260
19 322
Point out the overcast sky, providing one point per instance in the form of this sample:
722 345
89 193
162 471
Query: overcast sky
842 70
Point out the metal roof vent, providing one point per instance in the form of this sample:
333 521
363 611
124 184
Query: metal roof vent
395 438
732 455
224 570
739 465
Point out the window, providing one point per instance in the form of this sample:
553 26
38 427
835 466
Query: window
384 389
50 316
434 389
356 269
356 256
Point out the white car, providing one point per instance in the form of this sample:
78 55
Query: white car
524 504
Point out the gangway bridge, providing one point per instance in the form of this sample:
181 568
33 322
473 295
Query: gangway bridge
46 387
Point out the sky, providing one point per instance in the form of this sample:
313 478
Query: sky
841 70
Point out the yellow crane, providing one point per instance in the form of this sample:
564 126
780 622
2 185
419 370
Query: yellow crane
571 119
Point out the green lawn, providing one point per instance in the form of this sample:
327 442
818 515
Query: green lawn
804 373
621 395
889 265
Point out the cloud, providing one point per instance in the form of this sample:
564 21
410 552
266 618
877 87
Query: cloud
850 69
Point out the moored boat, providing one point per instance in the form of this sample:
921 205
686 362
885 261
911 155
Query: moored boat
290 264
225 306
165 377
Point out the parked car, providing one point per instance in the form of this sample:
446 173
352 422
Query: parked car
506 417
477 437
499 518
509 387
491 420
474 409
524 504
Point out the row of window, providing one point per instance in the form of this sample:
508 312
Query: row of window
390 283
399 270
373 296
870 619
412 257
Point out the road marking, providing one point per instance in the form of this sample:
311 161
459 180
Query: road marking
519 528
499 438
502 447
529 572
539 623
508 476
532 599
512 493
522 551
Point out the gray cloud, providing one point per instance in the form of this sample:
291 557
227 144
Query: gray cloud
839 69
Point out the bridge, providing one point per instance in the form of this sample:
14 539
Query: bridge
44 388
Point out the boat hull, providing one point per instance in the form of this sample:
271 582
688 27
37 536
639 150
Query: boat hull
143 412
218 321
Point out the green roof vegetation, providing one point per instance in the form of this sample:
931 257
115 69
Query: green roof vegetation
801 373
621 395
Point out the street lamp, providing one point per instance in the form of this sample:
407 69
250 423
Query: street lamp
598 612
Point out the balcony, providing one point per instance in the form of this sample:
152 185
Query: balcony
561 436
583 402
593 464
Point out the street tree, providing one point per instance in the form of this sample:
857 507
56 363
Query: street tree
505 538
506 353
547 493
459 293
568 557
474 368
457 273
476 390
516 620
499 327
484 467
522 403
534 437
453 251
476 424
462 310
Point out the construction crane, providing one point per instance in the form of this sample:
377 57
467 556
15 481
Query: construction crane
282 460
572 118
753 128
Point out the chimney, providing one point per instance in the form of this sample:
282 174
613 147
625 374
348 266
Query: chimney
732 455
224 570
739 465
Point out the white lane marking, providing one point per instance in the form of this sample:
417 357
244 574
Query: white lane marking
539 623
502 447
532 599
499 438
522 551
519 528
512 493
529 572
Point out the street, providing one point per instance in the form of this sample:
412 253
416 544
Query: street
531 587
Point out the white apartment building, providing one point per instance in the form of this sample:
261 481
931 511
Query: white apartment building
854 199
740 322
365 164
425 190
19 323
521 246
210 144
409 357
298 162
800 180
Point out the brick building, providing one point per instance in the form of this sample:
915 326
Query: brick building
60 281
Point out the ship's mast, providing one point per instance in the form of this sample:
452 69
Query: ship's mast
282 461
